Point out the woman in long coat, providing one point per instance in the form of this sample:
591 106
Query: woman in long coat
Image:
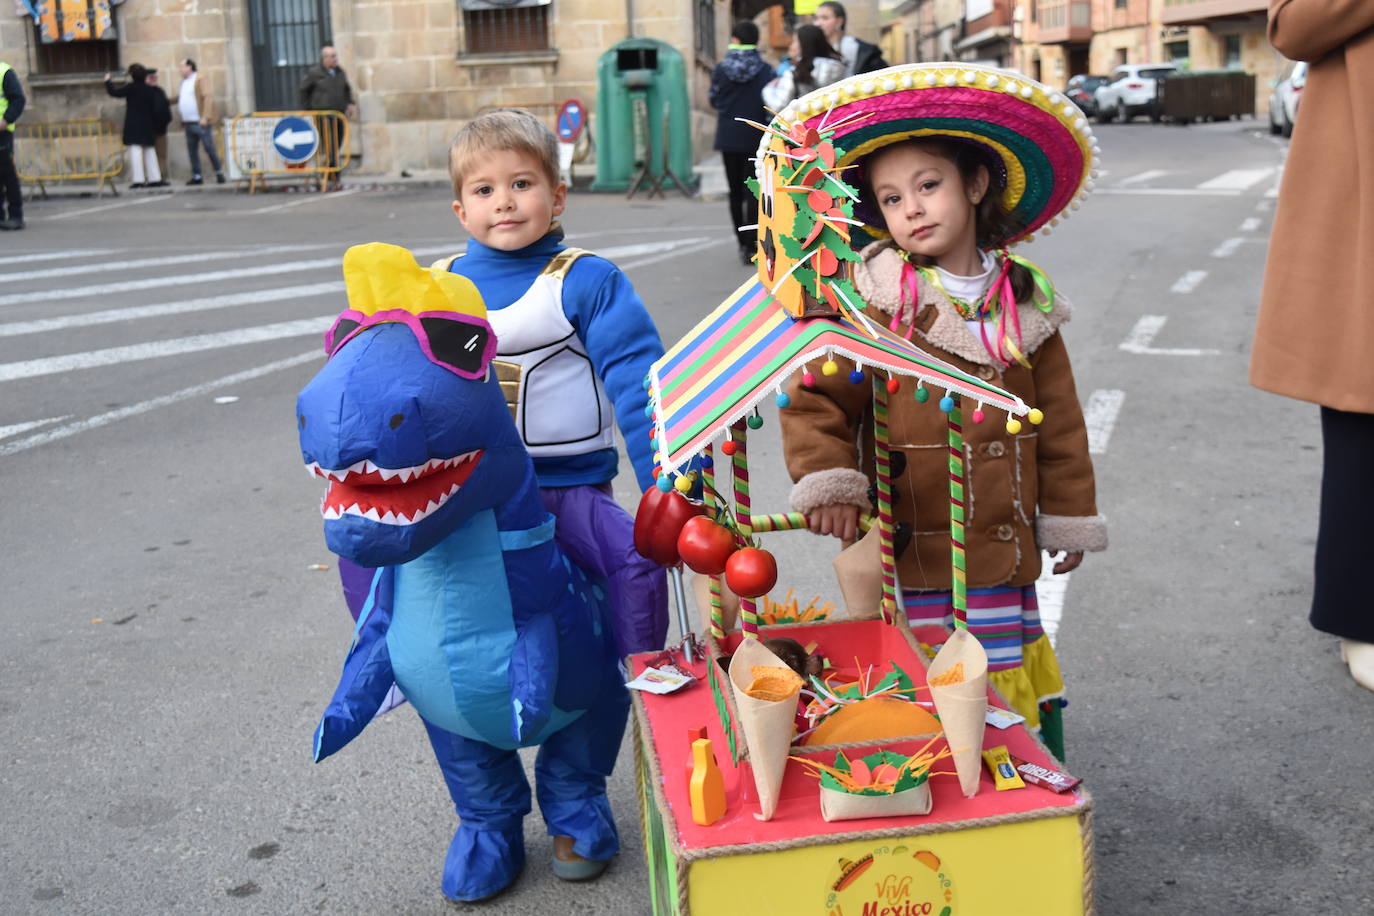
146 115
1315 339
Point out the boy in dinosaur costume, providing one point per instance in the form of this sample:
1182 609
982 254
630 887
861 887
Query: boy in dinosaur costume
473 610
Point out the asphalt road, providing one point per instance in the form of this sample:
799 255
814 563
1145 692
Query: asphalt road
169 642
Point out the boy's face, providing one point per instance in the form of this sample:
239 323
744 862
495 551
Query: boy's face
507 201
926 205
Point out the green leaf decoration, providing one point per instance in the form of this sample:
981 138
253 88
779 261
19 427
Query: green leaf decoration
907 780
722 711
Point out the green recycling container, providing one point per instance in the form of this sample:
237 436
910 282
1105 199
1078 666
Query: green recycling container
640 84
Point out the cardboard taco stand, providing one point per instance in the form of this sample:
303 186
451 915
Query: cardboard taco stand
978 852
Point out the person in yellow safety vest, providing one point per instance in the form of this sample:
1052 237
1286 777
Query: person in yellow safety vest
11 107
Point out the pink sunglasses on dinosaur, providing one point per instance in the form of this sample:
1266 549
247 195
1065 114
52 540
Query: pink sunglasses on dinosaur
461 343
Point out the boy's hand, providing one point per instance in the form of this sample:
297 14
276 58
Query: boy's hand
1070 562
841 521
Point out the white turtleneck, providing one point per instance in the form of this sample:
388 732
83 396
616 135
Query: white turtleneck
970 289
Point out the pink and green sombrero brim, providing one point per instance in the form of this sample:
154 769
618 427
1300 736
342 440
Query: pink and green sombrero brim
1040 138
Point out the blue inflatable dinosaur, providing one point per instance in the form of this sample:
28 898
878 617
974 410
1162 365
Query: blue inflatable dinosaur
474 613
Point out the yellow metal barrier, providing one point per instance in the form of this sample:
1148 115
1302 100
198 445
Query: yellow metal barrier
85 149
252 154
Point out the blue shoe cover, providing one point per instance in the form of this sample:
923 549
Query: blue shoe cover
482 863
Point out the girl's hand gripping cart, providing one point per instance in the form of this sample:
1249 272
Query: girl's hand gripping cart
904 818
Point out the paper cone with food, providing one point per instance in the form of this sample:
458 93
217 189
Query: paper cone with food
765 691
958 679
859 571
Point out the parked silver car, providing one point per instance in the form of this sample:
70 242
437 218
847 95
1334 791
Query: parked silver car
1129 91
1283 101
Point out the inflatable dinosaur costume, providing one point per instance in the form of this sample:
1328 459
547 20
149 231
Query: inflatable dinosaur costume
474 613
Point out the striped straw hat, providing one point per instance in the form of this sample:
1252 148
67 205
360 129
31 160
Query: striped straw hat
1037 140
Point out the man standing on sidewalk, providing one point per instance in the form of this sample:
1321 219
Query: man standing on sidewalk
198 119
11 107
325 88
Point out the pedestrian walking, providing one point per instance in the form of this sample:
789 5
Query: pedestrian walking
859 56
325 87
1316 325
815 64
11 107
737 92
145 115
197 112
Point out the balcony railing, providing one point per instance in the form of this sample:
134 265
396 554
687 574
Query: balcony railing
1064 21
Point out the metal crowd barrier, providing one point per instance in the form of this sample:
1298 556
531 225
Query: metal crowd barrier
252 154
84 149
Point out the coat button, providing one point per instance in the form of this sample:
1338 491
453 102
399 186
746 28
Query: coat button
985 373
1003 532
996 449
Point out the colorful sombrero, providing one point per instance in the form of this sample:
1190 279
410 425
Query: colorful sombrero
1039 140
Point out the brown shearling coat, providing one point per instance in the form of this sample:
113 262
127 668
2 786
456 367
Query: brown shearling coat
1315 335
1025 492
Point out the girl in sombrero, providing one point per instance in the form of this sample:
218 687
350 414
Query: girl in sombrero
953 164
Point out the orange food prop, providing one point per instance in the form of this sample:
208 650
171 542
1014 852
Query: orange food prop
773 684
954 675
871 720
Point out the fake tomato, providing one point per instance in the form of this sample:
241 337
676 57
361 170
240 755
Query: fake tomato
751 572
705 545
659 521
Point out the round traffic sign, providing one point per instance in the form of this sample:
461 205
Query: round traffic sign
295 139
572 117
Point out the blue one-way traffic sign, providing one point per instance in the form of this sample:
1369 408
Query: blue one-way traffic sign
295 139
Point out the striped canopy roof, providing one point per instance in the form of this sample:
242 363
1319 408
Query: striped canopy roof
749 346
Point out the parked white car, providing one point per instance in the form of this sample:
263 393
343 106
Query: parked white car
1129 91
1283 101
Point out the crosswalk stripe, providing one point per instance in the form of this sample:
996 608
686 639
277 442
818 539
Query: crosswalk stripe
1227 247
1141 177
166 400
54 255
1099 416
1236 180
72 270
15 429
1184 284
111 316
92 359
213 276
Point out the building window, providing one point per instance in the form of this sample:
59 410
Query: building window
1121 4
1177 53
1232 52
75 37
66 57
506 30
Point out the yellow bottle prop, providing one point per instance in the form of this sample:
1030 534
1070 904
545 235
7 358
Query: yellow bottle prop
707 788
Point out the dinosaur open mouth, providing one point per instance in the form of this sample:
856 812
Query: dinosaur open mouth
392 496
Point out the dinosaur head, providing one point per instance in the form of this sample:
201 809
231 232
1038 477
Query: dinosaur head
405 421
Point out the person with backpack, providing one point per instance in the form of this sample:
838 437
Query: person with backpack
737 92
859 56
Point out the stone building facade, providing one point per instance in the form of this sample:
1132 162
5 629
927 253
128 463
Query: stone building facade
420 67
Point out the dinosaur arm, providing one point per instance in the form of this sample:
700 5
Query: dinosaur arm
367 677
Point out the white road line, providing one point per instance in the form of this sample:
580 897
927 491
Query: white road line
308 199
1143 334
701 245
1228 247
110 316
165 261
165 400
1250 224
1263 206
1184 284
1049 594
17 428
123 203
157 349
214 276
1142 177
1236 179
1100 417
1171 192
1272 192
54 255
